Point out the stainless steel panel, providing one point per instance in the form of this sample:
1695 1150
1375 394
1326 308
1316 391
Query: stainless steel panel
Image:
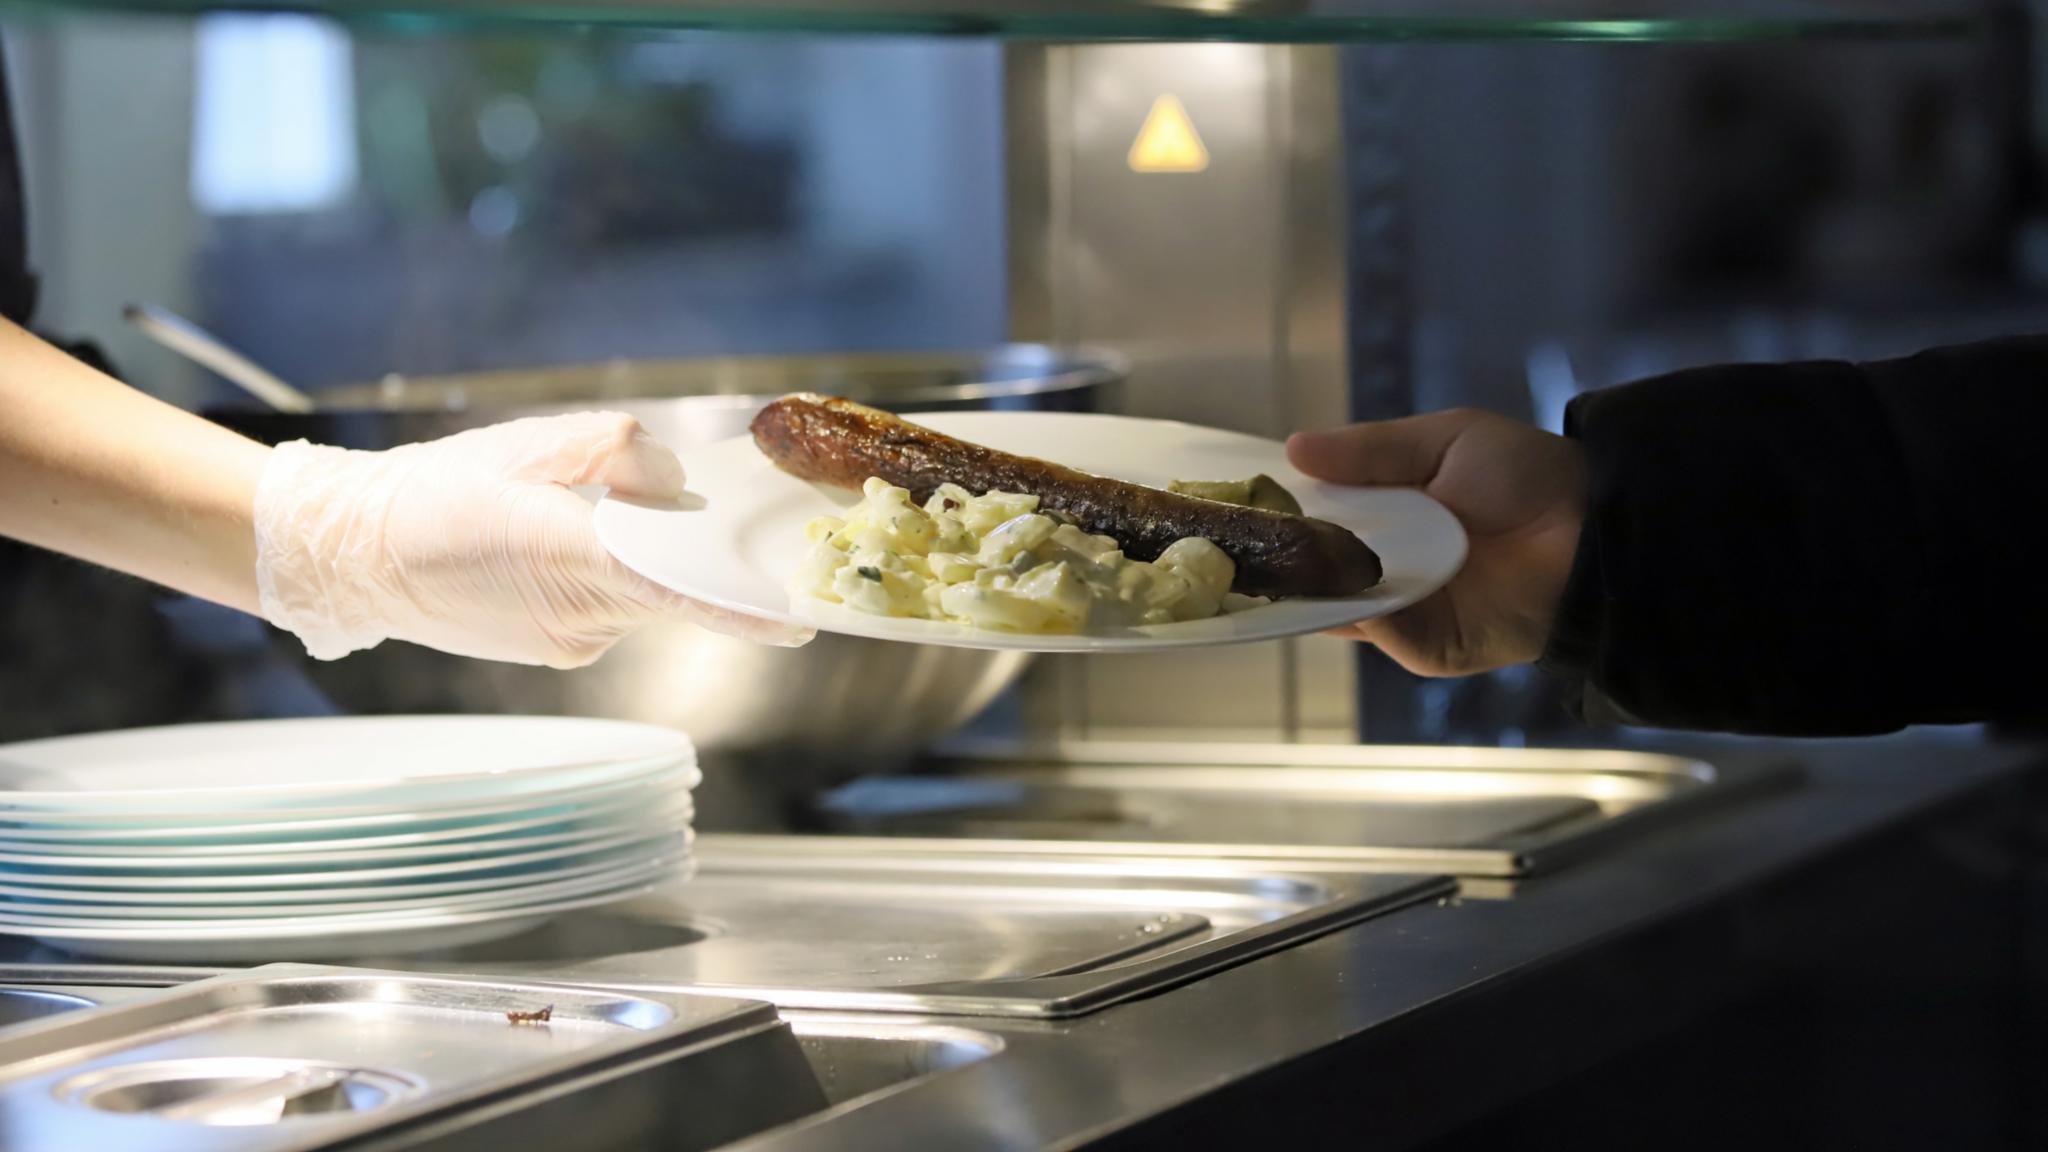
807 923
1223 289
1470 811
811 922
300 1058
868 932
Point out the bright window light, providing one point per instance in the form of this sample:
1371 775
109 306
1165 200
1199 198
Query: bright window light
274 125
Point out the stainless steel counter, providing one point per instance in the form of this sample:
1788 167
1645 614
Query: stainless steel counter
1403 1026
1396 1027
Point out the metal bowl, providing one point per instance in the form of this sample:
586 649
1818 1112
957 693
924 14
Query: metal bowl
840 700
687 402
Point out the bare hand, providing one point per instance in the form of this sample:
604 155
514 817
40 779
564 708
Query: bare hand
1521 494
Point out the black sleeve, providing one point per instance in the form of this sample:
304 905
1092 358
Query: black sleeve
1815 549
17 285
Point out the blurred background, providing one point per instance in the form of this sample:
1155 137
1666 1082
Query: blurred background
1501 225
343 205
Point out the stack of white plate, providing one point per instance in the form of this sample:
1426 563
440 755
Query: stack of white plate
305 839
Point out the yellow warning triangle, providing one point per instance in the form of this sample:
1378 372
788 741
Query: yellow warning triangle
1168 142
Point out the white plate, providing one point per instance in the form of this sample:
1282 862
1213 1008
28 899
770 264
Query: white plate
301 926
292 840
231 900
227 824
527 863
353 759
740 536
92 915
313 940
655 817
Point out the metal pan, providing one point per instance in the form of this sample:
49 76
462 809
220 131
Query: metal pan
1471 812
819 923
291 1059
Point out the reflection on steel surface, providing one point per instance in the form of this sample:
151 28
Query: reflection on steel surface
294 1058
813 922
1467 810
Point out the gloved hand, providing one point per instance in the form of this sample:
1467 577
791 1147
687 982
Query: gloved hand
473 544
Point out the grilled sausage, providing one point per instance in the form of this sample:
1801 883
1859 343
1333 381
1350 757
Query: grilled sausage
839 443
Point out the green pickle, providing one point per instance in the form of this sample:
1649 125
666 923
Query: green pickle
1261 491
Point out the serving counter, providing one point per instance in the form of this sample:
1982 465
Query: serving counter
1814 945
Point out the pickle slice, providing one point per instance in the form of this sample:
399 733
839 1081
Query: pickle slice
1261 491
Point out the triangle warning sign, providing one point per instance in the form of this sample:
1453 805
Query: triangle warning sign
1168 142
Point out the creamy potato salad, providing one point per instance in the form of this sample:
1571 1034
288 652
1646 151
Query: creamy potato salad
995 561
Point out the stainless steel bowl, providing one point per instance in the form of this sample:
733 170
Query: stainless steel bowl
841 700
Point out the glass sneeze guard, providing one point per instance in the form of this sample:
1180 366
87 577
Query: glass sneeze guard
1296 21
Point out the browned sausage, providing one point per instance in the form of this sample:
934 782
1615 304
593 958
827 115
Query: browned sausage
840 443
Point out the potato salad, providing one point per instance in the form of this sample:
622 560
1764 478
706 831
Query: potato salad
996 561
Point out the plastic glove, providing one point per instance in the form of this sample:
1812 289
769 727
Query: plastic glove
473 544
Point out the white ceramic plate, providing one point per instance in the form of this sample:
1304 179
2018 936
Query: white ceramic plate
654 818
313 939
740 535
295 926
485 833
230 900
87 915
226 825
353 759
522 866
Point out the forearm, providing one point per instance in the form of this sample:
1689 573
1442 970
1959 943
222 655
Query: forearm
1814 548
97 470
